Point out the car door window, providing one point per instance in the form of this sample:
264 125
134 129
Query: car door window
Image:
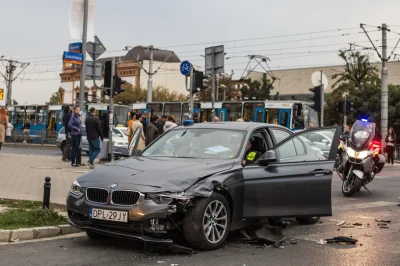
279 134
301 149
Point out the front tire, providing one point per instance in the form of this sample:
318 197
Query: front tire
206 225
308 220
350 189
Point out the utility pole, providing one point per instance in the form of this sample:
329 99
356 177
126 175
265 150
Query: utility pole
83 68
217 87
384 86
213 85
192 85
384 78
111 119
9 77
150 81
322 102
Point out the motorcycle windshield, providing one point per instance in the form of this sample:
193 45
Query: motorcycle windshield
361 134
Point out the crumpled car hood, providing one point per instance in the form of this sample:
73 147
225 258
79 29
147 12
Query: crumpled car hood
149 175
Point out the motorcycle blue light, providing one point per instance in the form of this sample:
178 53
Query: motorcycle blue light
364 120
188 122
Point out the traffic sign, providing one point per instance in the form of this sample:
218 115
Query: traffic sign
185 68
95 49
72 58
92 71
75 47
215 57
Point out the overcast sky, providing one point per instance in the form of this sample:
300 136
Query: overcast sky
38 32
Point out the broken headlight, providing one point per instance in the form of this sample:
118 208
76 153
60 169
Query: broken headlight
76 189
163 198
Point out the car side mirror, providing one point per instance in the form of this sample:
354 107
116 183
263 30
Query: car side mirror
267 157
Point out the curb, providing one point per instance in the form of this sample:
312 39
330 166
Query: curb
37 233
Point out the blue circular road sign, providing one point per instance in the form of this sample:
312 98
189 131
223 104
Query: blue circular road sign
185 68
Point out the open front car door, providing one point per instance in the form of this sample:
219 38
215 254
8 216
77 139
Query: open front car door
293 179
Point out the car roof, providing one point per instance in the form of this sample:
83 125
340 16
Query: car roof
244 126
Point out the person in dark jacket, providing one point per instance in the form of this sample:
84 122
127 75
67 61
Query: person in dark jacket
105 124
390 145
161 124
145 123
68 141
93 132
75 127
152 130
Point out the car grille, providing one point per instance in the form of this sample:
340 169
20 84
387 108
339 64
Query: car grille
98 195
121 197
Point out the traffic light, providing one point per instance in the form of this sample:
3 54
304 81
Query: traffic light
198 82
340 107
348 107
316 98
118 85
107 77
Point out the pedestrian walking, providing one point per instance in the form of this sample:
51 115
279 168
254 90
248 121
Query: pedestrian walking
105 124
9 132
135 126
68 141
75 127
3 125
152 130
170 124
390 145
129 130
145 123
93 132
26 131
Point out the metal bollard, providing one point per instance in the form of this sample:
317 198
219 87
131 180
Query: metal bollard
46 194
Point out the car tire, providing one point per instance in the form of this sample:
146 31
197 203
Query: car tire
62 146
308 220
94 235
197 218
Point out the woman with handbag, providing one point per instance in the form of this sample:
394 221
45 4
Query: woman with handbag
390 145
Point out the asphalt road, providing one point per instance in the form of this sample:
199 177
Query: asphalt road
32 149
375 246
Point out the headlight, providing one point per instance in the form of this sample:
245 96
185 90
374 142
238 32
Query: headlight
76 189
165 198
359 155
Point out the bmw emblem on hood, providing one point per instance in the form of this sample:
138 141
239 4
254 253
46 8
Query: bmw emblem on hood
113 185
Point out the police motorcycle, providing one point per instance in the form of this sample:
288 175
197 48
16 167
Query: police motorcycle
361 160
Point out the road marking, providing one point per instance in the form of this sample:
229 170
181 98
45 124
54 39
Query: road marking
364 205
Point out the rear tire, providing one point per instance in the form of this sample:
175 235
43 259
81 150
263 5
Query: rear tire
357 184
204 231
308 220
94 235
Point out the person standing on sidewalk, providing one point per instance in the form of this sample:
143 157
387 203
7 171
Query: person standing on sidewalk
390 145
135 126
75 127
152 130
3 125
27 131
9 132
93 132
129 130
68 141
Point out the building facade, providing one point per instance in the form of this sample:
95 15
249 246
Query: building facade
293 84
133 67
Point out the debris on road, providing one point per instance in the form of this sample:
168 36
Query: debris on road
347 226
384 227
357 224
294 241
267 235
322 242
341 223
342 240
383 221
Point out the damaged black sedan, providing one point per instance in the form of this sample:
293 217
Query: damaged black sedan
197 180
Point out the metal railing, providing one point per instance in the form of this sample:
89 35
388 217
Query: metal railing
32 137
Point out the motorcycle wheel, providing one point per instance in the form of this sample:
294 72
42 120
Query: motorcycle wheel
349 189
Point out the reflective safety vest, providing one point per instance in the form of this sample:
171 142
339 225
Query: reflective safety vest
251 156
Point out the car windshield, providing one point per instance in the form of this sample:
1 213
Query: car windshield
197 143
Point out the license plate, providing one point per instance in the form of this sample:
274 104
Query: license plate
109 215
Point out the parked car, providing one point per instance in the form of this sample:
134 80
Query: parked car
192 179
117 140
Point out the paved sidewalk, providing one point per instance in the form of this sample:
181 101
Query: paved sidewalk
22 176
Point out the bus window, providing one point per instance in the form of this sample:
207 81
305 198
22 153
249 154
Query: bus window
120 115
173 109
20 115
156 109
249 110
233 111
41 117
284 118
185 110
31 114
298 119
272 116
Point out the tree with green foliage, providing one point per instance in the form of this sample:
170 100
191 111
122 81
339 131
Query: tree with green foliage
225 84
256 90
55 98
